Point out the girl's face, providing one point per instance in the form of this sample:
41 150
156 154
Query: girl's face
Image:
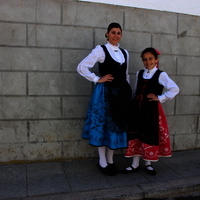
114 36
149 60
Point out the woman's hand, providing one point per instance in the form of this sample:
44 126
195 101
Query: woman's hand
152 97
107 77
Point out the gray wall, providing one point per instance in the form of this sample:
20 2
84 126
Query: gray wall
44 100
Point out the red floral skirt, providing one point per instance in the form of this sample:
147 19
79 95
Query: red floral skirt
152 152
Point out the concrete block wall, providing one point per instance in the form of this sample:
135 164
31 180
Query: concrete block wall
43 100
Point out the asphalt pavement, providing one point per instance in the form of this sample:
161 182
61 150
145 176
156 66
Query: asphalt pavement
178 175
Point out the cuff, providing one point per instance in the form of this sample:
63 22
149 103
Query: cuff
162 98
96 79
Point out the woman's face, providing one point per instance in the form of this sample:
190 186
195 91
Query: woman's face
114 36
149 60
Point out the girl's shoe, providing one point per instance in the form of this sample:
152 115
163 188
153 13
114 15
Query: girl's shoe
113 168
126 171
106 170
150 171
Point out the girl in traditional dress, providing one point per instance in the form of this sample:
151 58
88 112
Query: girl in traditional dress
148 131
106 121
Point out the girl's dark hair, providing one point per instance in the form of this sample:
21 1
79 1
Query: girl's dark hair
113 25
150 50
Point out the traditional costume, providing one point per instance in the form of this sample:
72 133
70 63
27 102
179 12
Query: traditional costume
148 130
106 120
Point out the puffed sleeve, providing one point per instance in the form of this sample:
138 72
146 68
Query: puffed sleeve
170 85
96 55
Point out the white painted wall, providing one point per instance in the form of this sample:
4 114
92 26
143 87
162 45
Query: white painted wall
191 7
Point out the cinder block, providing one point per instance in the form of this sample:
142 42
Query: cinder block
188 25
29 107
135 62
150 21
85 150
60 36
43 151
13 132
188 105
55 130
188 46
189 85
188 65
167 63
58 84
171 44
85 14
69 149
171 141
135 41
12 152
13 83
71 59
167 44
29 59
198 127
168 107
78 149
71 130
99 38
198 141
75 107
40 11
184 124
47 11
185 141
18 11
12 34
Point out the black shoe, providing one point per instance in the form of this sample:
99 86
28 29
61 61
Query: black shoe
113 168
150 172
106 170
125 171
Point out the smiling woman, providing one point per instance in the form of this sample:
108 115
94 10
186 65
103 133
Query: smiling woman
106 121
114 35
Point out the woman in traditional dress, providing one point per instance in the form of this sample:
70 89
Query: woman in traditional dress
148 131
106 121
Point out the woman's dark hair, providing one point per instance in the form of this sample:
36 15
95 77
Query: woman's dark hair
113 25
152 51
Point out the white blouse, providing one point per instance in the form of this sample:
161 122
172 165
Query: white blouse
98 55
168 83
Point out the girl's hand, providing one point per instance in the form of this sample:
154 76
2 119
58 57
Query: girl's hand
107 77
152 97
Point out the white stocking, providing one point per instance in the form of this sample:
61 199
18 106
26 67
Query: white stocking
102 156
148 163
135 163
109 155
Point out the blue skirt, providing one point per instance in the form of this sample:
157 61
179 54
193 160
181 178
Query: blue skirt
100 128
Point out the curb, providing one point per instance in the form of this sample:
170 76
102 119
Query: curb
155 190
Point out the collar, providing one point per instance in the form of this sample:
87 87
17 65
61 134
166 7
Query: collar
112 46
151 70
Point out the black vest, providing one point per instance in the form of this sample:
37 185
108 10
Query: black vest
153 85
110 66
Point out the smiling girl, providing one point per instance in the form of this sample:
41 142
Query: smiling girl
106 121
148 130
